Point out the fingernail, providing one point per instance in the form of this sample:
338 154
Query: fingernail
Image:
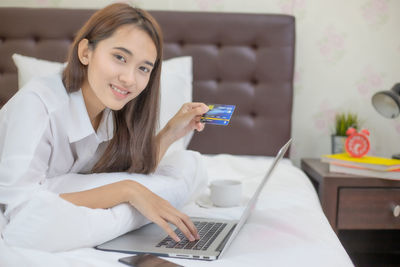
197 236
177 239
191 238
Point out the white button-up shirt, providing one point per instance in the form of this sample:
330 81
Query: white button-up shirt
46 132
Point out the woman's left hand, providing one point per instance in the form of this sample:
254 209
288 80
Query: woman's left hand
185 120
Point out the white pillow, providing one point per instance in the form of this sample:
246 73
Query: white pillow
176 89
47 222
29 67
176 85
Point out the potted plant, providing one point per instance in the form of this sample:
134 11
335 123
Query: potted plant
343 121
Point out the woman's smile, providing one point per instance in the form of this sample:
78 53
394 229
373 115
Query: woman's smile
119 92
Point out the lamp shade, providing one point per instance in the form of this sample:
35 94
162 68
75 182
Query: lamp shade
387 103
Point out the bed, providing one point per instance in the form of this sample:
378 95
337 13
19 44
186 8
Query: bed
242 59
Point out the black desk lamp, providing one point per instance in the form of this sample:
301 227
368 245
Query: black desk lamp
387 103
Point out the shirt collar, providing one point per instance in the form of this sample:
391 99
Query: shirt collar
79 121
106 127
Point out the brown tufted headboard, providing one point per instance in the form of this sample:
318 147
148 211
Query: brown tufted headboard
241 59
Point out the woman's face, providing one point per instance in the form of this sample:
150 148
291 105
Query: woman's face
119 68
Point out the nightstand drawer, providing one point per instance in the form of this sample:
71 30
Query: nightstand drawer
368 208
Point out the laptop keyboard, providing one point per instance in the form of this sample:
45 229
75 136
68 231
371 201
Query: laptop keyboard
208 232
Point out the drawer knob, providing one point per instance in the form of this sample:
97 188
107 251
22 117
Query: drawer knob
396 210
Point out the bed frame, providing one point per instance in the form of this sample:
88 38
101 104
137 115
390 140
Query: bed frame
241 59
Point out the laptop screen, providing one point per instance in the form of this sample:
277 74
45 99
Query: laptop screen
252 202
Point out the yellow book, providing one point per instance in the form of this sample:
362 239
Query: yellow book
369 162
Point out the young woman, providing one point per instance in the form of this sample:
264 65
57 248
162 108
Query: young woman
100 115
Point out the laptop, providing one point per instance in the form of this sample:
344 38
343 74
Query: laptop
216 235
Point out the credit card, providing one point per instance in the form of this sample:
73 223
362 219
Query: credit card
218 114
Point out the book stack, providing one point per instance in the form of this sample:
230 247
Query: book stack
366 166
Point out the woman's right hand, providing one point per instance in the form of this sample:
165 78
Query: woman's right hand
160 211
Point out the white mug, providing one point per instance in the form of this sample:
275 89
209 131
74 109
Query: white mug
226 193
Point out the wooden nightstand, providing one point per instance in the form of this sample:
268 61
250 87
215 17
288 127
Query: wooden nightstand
362 212
354 202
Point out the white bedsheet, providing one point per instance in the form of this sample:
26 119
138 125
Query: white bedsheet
287 227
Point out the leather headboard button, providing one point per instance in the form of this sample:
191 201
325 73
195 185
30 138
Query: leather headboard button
254 81
253 114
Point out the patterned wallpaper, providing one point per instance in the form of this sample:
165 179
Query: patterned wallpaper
346 51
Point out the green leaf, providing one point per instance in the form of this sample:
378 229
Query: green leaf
344 121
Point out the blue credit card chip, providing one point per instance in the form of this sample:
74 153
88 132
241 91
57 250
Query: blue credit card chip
218 114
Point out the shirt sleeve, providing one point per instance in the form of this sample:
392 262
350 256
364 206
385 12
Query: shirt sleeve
25 150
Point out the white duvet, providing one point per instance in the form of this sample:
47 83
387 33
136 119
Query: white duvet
287 227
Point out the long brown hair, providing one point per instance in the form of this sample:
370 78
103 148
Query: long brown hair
133 147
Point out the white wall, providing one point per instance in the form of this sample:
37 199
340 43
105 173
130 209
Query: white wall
346 51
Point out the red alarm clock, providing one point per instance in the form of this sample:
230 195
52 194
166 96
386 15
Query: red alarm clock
357 144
